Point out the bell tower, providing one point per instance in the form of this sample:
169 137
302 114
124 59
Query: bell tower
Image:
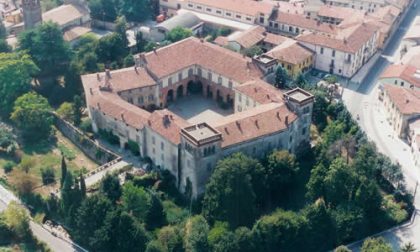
32 13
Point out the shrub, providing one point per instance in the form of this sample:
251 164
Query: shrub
8 167
133 147
86 125
48 175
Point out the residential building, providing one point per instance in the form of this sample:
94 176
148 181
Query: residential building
363 5
345 52
132 103
406 76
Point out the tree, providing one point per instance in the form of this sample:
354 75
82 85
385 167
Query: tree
170 238
376 245
280 77
135 200
16 71
279 231
110 48
3 32
195 237
244 239
4 46
26 164
77 110
408 247
253 51
229 193
301 81
48 176
178 33
349 220
65 111
48 49
8 141
135 10
155 246
281 171
315 187
90 217
111 188
63 170
320 234
140 42
121 29
32 115
82 186
67 193
342 248
104 10
319 110
221 239
156 216
17 219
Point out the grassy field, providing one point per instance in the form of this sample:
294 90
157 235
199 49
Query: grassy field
46 155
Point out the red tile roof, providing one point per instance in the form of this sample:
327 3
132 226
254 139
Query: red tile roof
167 124
303 23
406 100
407 73
336 12
248 7
192 51
274 39
250 37
347 40
293 53
261 92
257 122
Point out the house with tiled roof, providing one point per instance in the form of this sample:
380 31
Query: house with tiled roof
402 75
135 105
402 107
345 52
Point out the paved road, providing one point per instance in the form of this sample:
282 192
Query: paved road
363 101
55 243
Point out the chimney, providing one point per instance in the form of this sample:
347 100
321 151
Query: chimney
122 117
99 106
91 91
149 122
201 40
407 101
278 115
108 73
256 123
98 77
135 69
286 120
238 125
154 49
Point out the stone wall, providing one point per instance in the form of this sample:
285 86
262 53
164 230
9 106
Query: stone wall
90 148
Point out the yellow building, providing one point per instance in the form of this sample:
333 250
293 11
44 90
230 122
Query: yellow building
293 57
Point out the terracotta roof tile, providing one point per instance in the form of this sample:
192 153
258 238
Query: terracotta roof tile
261 92
167 124
292 53
248 7
254 123
192 51
64 14
303 23
250 37
274 39
407 73
406 100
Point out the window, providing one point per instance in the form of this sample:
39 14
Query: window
199 7
153 140
270 24
276 25
199 73
179 76
395 82
218 12
303 131
220 80
130 100
209 76
170 81
239 16
153 151
230 84
290 139
333 53
290 29
261 19
248 19
322 50
162 157
339 71
349 57
162 146
402 83
208 10
190 5
190 72
151 98
228 14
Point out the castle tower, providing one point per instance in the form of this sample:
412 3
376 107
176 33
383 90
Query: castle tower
32 13
200 150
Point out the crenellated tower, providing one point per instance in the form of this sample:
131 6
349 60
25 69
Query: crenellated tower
32 13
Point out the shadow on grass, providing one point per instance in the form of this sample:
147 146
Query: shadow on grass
40 147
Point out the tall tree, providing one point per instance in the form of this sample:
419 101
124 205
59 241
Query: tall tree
63 171
135 10
82 186
135 200
156 216
230 194
32 115
121 29
77 110
48 49
195 236
103 10
111 188
140 42
301 81
16 71
280 77
281 171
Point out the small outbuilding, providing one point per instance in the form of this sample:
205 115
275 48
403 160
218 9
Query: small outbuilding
185 20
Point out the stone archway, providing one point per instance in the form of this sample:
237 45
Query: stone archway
180 92
170 96
195 87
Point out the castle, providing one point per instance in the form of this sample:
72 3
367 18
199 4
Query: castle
135 104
